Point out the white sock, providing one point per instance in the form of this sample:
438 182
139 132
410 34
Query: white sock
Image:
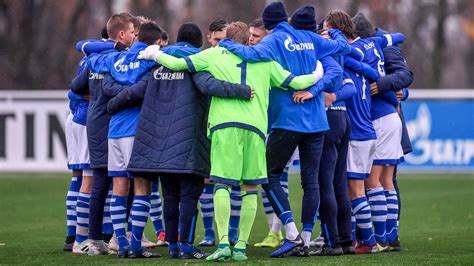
306 236
276 225
291 231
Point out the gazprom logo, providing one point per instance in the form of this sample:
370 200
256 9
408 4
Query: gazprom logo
442 152
291 46
158 74
119 66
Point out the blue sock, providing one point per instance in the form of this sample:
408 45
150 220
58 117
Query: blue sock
378 207
140 212
118 211
82 230
353 223
392 215
361 211
206 201
156 208
107 226
71 202
235 205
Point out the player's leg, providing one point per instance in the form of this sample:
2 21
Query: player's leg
107 226
378 204
359 161
206 203
117 165
344 212
226 171
328 203
140 212
100 187
280 147
170 185
74 185
156 214
392 207
254 173
310 148
235 205
190 189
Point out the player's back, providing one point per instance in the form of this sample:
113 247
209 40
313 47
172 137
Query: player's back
229 67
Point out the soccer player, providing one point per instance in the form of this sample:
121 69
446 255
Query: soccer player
120 29
256 33
171 139
78 148
216 32
398 77
296 51
239 130
128 70
387 124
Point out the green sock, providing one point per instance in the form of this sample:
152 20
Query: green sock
222 213
248 212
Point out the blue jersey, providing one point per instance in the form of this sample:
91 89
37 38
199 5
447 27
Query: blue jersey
88 47
373 55
126 69
297 52
343 91
77 104
359 106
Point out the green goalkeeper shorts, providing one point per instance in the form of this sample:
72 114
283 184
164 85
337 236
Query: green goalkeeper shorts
238 157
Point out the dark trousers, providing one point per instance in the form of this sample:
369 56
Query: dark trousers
181 194
280 147
335 209
100 188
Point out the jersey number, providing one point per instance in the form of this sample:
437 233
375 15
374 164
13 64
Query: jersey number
243 72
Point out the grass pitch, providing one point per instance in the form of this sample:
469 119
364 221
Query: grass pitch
436 227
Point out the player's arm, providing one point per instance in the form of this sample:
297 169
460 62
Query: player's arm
257 53
347 89
361 68
209 85
88 47
390 39
194 63
127 96
338 44
400 74
332 76
283 79
80 84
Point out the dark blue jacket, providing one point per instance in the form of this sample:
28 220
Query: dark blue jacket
398 76
171 136
97 117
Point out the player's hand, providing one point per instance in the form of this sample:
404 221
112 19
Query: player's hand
318 72
301 96
252 94
152 52
399 95
374 88
86 97
329 98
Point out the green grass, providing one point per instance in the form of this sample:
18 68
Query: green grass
437 224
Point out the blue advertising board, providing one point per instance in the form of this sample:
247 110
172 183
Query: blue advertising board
442 135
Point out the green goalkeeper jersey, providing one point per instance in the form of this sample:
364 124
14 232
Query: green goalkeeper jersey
261 76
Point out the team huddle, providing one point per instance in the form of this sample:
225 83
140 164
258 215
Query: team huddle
211 126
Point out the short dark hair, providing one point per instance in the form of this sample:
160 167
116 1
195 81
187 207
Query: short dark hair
340 20
149 33
218 25
103 33
164 36
238 31
191 33
117 23
257 23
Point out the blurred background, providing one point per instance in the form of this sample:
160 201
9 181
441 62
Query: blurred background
38 59
38 36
